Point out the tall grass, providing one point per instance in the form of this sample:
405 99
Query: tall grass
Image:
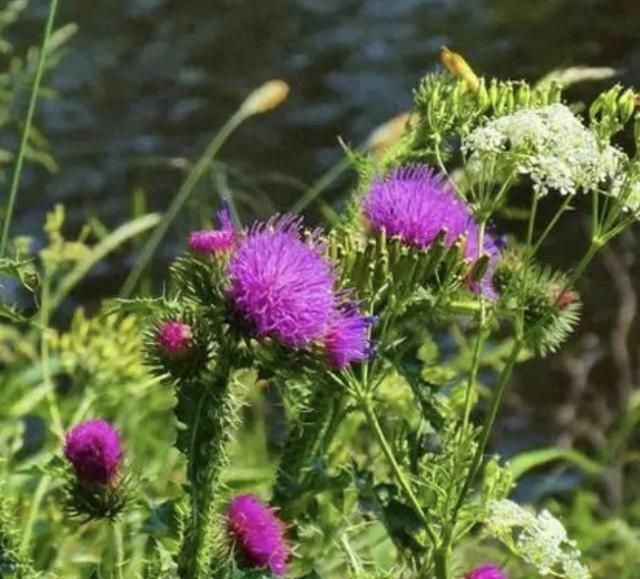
33 98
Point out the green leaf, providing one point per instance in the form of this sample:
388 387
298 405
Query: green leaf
110 243
526 461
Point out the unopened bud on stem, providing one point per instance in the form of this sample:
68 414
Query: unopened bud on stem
266 97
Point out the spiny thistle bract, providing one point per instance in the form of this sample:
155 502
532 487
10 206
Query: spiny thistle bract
550 308
488 571
258 534
416 204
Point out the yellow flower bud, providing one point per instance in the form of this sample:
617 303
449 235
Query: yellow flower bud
387 134
266 97
459 67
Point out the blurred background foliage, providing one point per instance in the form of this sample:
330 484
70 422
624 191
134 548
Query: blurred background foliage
133 93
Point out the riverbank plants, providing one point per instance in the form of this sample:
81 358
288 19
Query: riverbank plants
385 345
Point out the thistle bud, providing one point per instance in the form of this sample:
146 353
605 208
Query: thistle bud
96 489
523 95
266 97
258 534
627 105
562 297
459 67
387 134
483 96
174 338
93 449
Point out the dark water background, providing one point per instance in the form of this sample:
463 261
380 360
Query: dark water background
146 82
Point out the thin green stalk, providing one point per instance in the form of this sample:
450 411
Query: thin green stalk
320 185
480 339
34 510
490 419
181 197
118 550
594 248
366 407
527 264
56 420
551 224
17 171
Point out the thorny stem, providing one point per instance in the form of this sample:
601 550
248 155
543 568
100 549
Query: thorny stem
17 171
199 556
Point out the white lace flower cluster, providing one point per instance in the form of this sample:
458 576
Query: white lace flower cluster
550 144
540 540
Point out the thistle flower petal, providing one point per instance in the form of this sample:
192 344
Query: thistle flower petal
258 533
282 283
347 339
212 241
93 449
486 572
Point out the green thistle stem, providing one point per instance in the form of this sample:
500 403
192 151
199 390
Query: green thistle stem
304 443
35 89
442 561
203 553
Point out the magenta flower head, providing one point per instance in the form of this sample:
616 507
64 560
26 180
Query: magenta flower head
486 572
258 533
93 449
416 204
347 339
174 338
214 241
283 284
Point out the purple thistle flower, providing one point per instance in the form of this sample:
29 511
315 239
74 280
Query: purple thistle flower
486 572
415 203
282 284
174 338
258 533
347 338
93 449
212 241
